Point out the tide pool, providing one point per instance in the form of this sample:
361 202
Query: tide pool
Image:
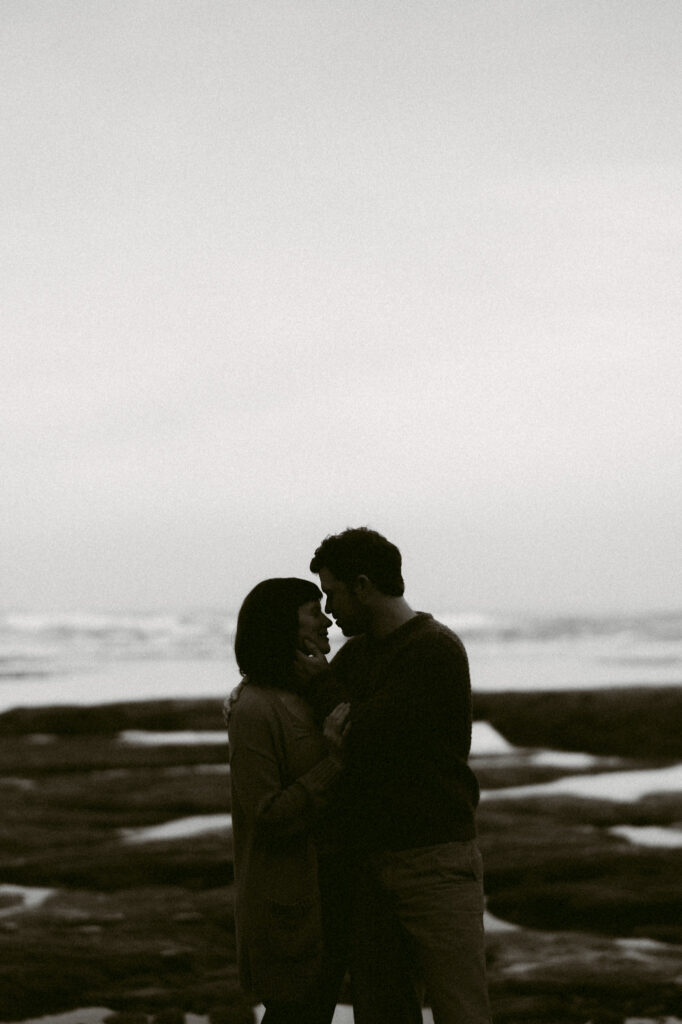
649 835
619 786
178 828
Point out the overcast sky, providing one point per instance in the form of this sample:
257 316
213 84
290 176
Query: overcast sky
271 269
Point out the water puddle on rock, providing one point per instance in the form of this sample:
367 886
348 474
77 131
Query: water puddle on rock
179 828
21 898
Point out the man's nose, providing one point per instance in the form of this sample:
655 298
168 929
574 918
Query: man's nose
327 622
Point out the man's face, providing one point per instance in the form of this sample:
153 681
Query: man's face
349 612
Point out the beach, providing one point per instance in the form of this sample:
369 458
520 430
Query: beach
115 849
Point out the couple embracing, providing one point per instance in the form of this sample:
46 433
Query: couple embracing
352 800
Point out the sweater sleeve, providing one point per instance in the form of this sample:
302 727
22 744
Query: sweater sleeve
273 809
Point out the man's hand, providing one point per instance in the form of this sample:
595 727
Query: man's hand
336 727
307 666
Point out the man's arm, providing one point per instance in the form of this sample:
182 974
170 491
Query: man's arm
320 683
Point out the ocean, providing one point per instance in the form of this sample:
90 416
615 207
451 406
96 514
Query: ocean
92 658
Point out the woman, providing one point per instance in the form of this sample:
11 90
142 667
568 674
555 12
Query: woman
283 775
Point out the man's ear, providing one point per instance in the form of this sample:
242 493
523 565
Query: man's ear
362 588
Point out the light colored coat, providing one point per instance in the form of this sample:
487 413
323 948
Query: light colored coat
281 778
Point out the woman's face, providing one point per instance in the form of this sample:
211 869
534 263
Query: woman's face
312 625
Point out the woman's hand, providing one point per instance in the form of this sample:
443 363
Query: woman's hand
335 731
307 666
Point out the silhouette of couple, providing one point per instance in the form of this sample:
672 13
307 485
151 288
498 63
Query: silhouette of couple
352 800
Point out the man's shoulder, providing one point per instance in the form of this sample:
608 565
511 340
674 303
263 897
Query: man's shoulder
436 650
426 630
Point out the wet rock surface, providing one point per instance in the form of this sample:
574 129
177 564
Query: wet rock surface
147 928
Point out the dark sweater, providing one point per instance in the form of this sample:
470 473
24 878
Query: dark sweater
407 782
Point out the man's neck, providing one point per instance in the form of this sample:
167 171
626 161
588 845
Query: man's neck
388 615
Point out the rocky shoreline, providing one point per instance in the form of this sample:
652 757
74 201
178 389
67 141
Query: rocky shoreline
592 922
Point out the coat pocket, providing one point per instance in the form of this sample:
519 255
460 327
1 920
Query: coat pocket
295 929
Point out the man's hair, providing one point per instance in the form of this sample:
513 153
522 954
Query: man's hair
267 628
361 552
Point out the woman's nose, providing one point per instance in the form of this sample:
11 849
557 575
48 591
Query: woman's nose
327 622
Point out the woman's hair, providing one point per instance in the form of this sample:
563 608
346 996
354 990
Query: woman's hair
267 628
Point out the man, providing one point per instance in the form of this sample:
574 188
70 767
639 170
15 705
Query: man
409 796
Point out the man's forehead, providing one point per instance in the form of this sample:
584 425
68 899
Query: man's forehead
328 581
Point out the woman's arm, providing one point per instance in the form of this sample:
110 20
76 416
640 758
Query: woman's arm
274 810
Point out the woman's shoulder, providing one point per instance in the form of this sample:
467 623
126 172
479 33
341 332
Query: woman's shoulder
248 701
